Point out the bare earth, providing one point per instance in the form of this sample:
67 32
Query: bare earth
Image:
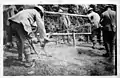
65 61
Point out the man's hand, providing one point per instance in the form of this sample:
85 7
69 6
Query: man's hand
114 28
100 26
34 40
31 35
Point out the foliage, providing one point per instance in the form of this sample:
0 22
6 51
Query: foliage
52 20
100 8
76 9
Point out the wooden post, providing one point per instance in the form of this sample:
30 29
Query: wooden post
88 39
74 41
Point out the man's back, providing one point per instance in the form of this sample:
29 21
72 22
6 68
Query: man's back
27 18
94 18
109 16
24 16
109 19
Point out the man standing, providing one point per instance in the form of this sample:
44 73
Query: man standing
21 23
108 21
65 23
95 28
9 11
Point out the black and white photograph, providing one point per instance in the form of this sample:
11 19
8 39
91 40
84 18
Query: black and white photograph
59 39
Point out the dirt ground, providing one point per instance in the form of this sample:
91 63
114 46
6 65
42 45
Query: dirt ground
66 60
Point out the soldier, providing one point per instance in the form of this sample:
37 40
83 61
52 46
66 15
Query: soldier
21 23
9 11
94 20
108 21
65 23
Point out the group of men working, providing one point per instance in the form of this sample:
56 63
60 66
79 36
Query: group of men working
105 25
21 23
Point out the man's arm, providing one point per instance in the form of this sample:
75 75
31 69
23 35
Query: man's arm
40 25
89 17
102 20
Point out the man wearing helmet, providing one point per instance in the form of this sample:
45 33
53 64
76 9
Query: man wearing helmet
95 27
21 23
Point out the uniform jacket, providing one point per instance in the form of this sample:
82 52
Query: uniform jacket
108 20
9 12
27 18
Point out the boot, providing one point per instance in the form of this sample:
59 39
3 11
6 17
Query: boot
46 40
30 64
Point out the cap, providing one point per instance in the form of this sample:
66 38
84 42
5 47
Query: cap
40 8
108 6
90 9
60 10
55 5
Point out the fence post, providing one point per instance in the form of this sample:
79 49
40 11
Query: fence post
88 38
74 41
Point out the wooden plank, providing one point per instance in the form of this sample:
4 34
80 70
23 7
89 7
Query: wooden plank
65 14
68 33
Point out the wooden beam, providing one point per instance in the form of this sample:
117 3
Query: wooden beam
65 14
68 33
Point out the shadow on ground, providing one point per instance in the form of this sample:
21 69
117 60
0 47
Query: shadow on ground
12 61
65 61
